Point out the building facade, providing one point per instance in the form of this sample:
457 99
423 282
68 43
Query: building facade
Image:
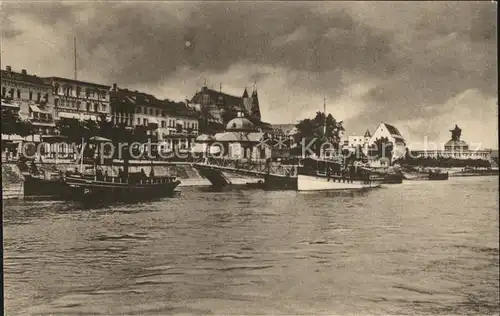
79 99
33 97
209 101
394 136
241 140
173 124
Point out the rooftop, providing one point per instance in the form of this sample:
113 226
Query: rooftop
18 76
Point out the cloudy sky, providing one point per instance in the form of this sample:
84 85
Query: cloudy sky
422 66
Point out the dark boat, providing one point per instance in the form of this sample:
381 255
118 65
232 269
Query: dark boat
393 178
280 182
131 188
126 187
42 188
438 175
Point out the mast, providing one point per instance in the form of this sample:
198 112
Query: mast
74 48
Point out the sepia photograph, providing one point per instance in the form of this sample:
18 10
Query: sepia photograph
249 158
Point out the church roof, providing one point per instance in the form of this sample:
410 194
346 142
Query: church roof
217 97
393 130
367 134
245 93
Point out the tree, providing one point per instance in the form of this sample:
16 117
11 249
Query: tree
313 130
382 148
12 124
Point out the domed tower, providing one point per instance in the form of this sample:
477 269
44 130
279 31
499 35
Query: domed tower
255 110
240 124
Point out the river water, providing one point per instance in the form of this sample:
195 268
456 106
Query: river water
419 247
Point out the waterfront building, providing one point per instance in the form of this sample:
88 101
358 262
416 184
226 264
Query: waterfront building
393 135
454 148
31 97
241 140
80 100
172 123
356 141
215 103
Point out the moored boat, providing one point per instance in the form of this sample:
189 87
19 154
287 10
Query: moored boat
128 188
438 175
319 174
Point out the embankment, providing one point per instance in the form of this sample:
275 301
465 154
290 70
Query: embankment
12 182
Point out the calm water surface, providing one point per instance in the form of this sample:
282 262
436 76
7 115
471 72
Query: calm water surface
416 248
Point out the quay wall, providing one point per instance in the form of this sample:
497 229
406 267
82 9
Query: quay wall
12 182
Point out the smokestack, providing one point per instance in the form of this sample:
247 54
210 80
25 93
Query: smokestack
8 68
114 86
23 71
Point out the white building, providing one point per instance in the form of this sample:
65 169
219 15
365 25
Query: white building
355 141
32 96
393 135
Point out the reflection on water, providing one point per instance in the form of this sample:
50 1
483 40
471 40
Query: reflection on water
419 247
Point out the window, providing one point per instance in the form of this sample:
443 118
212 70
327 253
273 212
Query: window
157 112
56 88
88 107
150 111
144 110
103 107
56 102
4 91
18 93
38 97
138 121
31 95
163 113
145 121
78 90
163 124
87 93
78 105
96 107
138 110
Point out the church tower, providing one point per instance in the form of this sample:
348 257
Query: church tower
247 102
255 110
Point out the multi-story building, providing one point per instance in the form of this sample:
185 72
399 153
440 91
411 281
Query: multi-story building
79 99
32 95
172 123
216 102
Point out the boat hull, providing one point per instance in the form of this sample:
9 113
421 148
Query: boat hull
278 182
315 183
86 190
43 188
438 176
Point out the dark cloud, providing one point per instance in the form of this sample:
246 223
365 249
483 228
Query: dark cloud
407 56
